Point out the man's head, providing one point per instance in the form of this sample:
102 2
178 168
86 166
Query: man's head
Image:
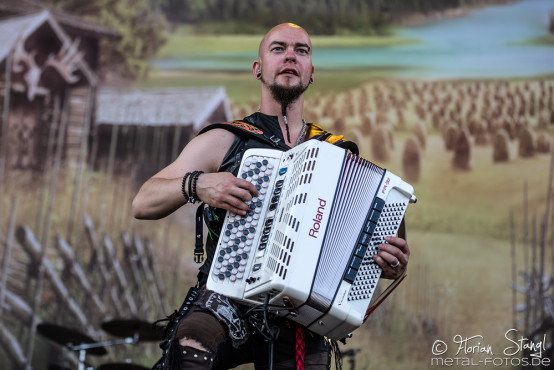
284 63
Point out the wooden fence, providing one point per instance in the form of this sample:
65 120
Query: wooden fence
78 287
533 283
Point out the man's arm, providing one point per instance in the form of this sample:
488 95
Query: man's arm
161 195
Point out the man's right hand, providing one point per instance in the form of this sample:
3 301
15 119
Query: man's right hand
223 190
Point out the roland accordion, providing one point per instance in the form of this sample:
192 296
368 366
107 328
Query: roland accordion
308 241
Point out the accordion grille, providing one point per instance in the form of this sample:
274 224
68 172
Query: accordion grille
369 273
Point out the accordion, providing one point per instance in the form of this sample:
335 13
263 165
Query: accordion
308 240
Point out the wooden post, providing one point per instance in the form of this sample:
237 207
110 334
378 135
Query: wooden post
81 163
132 260
12 348
92 160
67 254
54 125
107 209
46 232
121 279
153 287
7 255
36 252
98 262
5 124
160 286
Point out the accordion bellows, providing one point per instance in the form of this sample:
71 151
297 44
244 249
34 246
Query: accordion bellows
308 241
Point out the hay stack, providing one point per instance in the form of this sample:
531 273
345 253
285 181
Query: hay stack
420 132
481 135
450 135
412 159
367 124
463 150
544 143
500 147
380 144
527 142
339 125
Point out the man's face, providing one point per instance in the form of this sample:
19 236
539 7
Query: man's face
285 60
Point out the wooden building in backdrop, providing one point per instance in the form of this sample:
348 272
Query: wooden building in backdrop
50 99
48 79
145 129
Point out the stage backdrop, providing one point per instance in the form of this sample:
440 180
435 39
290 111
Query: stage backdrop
458 102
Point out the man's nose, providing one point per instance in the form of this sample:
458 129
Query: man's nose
289 55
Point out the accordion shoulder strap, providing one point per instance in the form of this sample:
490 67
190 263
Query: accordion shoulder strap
318 133
245 129
402 229
314 131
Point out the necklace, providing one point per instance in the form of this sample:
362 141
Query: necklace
302 133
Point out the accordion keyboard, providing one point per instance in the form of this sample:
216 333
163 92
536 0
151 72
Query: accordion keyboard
241 243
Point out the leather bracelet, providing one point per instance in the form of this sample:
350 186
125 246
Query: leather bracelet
188 198
194 181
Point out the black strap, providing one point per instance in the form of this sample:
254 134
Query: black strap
247 130
402 229
199 243
169 345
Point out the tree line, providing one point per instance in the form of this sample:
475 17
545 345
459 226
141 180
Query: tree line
144 24
326 17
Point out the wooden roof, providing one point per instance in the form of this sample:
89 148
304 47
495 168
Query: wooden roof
160 107
72 24
17 29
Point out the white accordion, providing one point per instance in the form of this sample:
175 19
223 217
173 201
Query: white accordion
308 241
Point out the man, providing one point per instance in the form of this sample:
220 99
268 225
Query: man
206 171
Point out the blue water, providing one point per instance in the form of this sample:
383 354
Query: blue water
486 43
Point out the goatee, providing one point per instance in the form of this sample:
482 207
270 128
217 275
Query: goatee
286 95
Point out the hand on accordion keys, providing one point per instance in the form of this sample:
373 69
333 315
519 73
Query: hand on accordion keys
393 257
224 190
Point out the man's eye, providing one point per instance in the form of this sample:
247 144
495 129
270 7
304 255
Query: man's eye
277 48
302 51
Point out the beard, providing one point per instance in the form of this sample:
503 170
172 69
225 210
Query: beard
286 95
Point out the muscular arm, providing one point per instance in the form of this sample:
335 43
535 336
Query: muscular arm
161 195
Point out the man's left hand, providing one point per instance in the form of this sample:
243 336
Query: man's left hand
393 257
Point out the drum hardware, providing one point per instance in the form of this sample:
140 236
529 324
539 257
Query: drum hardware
69 337
76 341
83 348
145 331
57 367
121 366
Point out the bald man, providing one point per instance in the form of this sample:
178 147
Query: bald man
214 332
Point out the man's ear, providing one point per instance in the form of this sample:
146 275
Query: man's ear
257 69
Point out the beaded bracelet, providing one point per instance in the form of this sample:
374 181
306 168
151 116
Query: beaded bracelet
194 182
188 186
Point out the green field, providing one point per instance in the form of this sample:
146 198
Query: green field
183 41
